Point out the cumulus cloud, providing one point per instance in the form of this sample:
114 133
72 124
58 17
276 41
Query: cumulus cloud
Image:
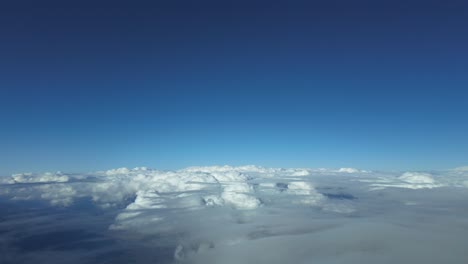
349 170
417 178
409 180
218 214
38 178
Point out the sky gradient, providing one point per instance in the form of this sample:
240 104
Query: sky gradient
369 84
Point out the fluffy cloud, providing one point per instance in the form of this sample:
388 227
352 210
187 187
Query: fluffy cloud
219 214
409 180
38 178
349 170
417 178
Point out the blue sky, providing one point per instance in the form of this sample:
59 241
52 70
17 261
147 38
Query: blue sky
370 84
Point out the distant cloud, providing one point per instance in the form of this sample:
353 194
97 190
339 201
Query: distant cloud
39 178
349 170
417 178
218 214
408 180
461 169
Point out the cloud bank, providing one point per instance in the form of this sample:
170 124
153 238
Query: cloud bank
251 214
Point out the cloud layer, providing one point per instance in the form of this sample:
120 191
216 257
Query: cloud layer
251 214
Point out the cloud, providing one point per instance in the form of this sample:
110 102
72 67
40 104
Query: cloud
221 214
38 178
353 242
417 178
349 170
409 180
461 169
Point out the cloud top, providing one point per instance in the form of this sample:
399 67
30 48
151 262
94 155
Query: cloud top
208 213
38 178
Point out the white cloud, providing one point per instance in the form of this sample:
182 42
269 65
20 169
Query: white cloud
461 169
417 178
38 178
306 191
349 170
208 213
118 171
408 180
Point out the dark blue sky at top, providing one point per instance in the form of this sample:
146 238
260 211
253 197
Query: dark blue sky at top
370 84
